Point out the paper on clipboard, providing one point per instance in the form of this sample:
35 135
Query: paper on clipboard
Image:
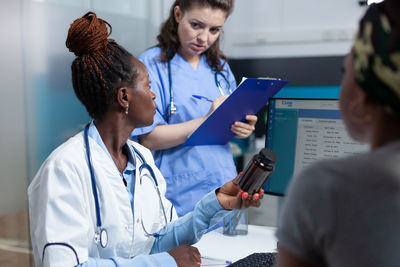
248 98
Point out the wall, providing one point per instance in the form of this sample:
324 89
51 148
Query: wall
291 28
12 112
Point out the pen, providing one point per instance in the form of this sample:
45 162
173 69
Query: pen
216 261
202 97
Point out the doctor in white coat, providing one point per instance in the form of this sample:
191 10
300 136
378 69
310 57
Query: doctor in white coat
98 199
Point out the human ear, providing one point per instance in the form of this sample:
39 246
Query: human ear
178 14
122 98
362 110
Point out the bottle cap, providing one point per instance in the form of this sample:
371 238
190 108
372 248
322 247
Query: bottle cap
267 156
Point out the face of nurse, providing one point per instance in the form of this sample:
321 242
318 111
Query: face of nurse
353 104
142 107
198 29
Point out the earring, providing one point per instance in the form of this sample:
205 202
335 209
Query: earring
126 110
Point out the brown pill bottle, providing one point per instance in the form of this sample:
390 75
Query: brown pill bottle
257 171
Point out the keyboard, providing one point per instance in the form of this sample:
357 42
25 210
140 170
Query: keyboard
256 260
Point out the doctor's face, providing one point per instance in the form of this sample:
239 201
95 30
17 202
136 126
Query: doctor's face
143 107
198 29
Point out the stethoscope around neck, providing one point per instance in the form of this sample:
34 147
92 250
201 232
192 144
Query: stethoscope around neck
101 235
172 107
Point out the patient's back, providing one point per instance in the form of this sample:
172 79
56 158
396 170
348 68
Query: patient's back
345 212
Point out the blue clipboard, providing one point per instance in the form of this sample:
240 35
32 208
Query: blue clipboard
248 98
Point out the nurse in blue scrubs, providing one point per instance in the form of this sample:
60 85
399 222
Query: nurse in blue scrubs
188 61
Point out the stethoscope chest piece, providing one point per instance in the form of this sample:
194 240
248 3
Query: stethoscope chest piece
220 80
101 236
172 108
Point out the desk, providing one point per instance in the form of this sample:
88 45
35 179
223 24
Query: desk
217 245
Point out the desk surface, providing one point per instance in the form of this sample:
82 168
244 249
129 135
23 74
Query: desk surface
219 246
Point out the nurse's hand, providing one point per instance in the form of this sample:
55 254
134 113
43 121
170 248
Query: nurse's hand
231 197
243 129
215 104
185 255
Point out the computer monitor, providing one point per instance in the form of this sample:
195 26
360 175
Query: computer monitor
301 131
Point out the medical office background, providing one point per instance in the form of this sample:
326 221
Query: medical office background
303 41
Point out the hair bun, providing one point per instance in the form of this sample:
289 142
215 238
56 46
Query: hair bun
87 34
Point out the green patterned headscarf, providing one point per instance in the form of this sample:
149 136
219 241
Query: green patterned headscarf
376 53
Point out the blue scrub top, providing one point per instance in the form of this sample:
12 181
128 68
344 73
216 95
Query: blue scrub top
190 172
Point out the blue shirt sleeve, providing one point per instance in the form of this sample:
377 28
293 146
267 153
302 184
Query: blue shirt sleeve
188 229
155 260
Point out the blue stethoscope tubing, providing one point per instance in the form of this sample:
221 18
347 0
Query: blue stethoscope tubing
153 176
172 108
217 83
101 234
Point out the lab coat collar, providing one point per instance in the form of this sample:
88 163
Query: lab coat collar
95 135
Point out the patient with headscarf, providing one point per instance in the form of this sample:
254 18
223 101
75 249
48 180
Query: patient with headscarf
346 211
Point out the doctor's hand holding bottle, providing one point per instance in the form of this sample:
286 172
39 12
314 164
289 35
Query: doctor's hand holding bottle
229 197
188 61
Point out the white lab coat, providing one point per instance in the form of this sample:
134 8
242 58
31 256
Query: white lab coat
62 208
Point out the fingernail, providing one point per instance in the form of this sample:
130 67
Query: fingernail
261 191
245 195
241 193
256 197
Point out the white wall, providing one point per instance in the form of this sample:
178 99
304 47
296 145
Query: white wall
291 28
12 131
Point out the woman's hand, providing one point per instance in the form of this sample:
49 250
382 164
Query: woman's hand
231 197
215 104
243 129
186 255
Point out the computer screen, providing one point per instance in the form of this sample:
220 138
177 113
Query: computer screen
301 131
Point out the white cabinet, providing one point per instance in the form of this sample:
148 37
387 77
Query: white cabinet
290 28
